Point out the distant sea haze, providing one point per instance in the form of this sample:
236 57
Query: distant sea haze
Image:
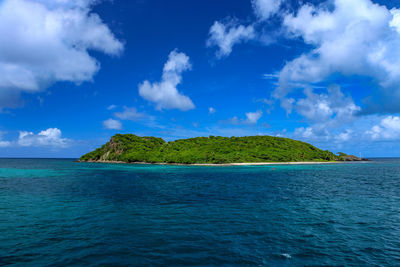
61 212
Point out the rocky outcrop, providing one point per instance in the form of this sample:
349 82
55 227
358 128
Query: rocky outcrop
351 158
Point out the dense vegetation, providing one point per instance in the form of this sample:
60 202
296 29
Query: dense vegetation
213 149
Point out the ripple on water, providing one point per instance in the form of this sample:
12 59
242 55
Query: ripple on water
57 212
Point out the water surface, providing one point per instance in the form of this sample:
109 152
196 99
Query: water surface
58 212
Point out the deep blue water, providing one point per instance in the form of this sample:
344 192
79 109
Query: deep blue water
58 212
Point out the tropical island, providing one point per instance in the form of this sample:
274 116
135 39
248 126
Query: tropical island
130 148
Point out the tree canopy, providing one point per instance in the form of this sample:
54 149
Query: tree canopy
212 149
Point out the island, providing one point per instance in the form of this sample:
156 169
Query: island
130 148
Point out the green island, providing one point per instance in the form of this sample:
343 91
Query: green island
130 148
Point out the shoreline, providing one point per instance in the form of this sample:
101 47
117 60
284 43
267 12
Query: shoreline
233 164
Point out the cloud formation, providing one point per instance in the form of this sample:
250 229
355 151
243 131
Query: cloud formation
47 42
337 32
330 109
355 37
253 117
387 129
4 143
225 35
111 107
112 124
264 9
211 110
131 113
342 40
49 138
165 93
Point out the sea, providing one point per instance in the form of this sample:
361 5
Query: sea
57 212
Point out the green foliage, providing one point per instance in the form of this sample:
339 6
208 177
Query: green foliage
213 149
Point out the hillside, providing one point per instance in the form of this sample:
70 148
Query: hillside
214 149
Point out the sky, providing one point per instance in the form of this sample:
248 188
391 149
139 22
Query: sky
75 72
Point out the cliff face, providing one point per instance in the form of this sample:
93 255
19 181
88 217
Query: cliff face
213 149
120 146
111 147
351 158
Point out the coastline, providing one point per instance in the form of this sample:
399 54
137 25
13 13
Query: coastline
234 164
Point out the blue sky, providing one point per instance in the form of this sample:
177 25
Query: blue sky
76 72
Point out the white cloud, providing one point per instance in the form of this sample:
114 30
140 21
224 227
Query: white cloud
165 93
132 114
253 117
112 124
371 134
305 133
47 42
225 36
264 9
328 114
66 3
338 32
111 107
316 134
313 134
4 143
355 37
344 136
211 110
50 137
387 129
395 23
329 110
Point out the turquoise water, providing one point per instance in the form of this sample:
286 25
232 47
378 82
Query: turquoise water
58 212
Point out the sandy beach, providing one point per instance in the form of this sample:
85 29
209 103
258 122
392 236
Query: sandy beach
235 164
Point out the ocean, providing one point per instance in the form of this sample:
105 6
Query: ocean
60 212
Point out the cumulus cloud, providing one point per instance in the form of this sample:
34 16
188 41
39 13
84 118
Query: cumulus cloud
387 129
344 136
49 138
165 93
318 134
253 117
112 124
305 133
355 37
211 110
347 38
47 42
225 35
264 9
329 114
321 136
330 109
